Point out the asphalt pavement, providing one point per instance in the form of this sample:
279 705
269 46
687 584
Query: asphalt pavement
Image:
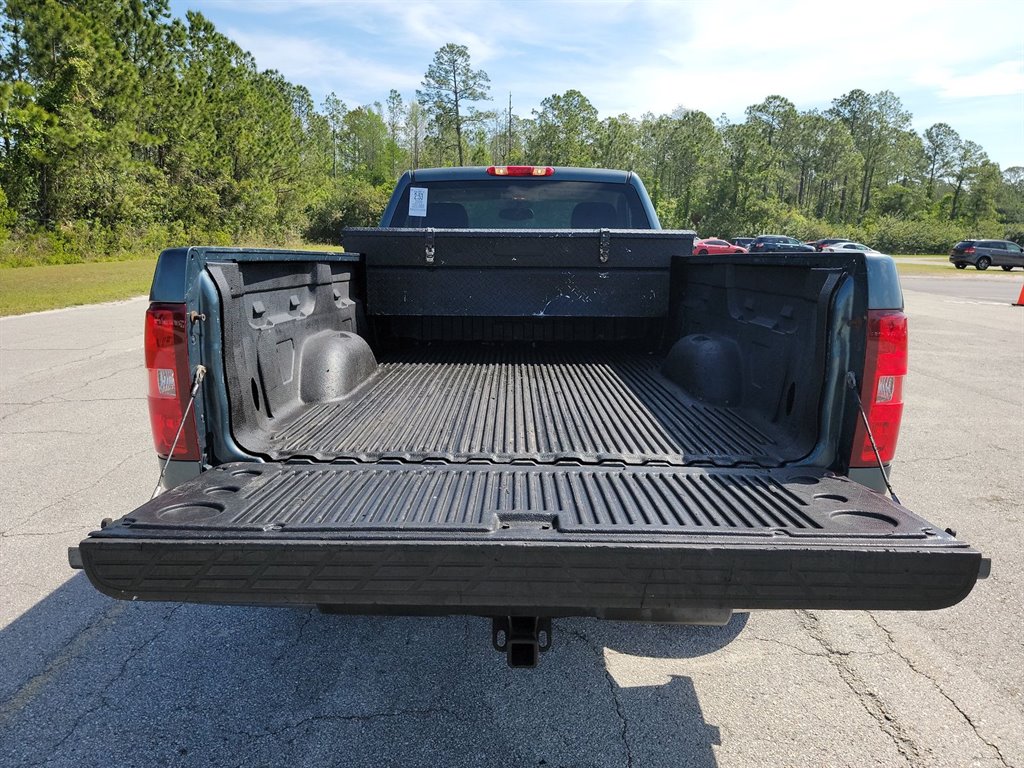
88 681
970 288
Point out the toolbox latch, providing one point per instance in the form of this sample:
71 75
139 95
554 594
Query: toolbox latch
429 246
604 246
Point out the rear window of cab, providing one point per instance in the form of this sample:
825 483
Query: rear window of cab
513 203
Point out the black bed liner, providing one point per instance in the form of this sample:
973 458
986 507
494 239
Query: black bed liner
513 403
610 541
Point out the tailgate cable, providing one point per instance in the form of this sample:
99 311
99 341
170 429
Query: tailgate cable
196 381
851 382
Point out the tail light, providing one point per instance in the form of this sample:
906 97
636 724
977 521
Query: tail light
885 365
969 249
520 170
169 381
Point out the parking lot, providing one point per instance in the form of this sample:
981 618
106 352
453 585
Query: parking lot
89 681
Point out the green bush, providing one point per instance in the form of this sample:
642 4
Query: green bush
82 242
889 234
894 234
355 203
7 217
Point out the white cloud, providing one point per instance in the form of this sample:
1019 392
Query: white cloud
320 66
636 56
812 52
1003 79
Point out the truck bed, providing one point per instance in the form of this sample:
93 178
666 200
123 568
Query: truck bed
522 403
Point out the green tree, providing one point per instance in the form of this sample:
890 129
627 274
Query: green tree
774 122
450 86
415 132
395 120
875 122
941 144
616 142
564 130
966 162
365 145
507 137
1010 203
334 111
979 206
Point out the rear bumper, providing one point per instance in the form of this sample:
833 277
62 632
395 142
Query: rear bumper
623 580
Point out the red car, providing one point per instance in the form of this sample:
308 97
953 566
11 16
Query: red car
715 245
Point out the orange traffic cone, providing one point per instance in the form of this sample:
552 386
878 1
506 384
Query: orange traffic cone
1020 299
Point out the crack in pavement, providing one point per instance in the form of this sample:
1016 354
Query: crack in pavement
61 397
891 644
77 645
288 647
58 399
32 376
960 386
797 648
613 689
934 459
55 399
872 703
366 717
135 366
28 406
36 534
51 432
101 697
78 491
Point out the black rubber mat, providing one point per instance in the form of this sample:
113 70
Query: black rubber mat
478 498
508 404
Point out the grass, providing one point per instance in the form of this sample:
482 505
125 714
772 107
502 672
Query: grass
46 286
940 265
905 268
31 289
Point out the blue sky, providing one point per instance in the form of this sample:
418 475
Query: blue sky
954 62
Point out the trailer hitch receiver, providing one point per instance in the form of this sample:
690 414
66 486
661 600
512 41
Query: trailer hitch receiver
521 638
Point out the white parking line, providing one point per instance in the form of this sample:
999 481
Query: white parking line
977 301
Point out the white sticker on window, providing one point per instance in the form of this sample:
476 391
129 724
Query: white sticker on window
417 201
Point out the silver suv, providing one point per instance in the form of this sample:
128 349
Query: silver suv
984 253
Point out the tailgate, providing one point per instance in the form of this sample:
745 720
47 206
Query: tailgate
627 542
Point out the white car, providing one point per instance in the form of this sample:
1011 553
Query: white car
848 246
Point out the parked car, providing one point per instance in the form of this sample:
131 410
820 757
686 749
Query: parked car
847 245
778 243
984 253
742 242
715 245
826 241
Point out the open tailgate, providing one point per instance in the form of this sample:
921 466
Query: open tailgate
626 542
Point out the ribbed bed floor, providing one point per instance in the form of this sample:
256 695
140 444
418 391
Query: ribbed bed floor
464 403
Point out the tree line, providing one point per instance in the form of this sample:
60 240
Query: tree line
123 128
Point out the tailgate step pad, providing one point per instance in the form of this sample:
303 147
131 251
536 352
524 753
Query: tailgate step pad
611 541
